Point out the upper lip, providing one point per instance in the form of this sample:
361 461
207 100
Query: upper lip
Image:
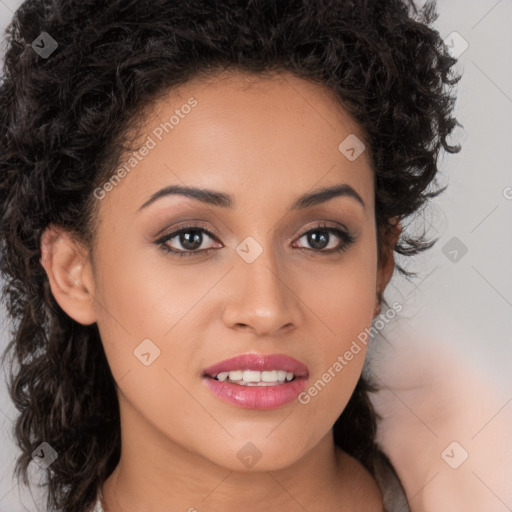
259 362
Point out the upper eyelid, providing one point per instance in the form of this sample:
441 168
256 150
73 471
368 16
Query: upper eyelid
177 231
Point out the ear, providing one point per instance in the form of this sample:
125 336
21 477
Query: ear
386 264
70 275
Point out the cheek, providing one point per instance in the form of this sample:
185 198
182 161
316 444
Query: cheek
142 314
343 295
143 296
141 292
343 300
135 303
339 354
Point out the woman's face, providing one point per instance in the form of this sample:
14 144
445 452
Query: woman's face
265 287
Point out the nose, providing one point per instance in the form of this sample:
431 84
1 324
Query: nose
261 298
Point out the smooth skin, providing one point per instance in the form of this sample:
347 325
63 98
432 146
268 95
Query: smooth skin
264 140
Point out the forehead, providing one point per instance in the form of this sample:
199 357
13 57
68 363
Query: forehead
248 134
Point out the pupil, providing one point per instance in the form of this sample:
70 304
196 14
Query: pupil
314 240
186 239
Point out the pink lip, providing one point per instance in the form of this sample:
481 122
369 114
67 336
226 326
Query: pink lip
256 397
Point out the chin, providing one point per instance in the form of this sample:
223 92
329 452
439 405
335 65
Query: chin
255 456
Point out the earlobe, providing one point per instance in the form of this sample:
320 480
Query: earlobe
378 307
69 274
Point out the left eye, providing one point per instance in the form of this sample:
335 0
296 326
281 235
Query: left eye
191 239
320 236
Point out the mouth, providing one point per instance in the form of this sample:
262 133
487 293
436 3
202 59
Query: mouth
257 369
257 381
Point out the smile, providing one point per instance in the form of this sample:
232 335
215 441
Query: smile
257 381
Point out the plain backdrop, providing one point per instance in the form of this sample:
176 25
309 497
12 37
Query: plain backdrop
444 363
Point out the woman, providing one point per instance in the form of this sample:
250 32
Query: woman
201 202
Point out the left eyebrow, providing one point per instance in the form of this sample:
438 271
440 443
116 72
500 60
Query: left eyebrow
216 198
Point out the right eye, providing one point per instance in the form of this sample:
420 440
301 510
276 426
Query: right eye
191 239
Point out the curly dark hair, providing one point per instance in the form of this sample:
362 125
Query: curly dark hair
66 121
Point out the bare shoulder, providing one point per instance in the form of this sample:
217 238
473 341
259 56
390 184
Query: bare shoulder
366 494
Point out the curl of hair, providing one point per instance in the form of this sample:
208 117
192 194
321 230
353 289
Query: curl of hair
65 123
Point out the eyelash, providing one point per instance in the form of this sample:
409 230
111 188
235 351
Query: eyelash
345 236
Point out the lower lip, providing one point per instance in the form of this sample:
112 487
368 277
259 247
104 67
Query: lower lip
256 397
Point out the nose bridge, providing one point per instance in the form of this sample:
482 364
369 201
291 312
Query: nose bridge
260 269
261 299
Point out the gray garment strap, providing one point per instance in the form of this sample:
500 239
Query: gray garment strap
394 497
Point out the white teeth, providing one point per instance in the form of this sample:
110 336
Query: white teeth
250 376
269 376
255 378
237 375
